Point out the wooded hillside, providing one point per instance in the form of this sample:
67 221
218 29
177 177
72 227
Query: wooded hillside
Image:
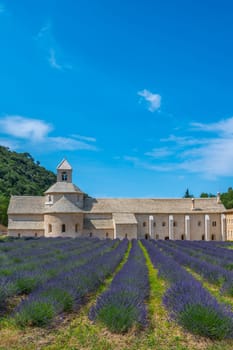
20 174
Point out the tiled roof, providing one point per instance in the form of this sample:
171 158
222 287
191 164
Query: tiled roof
63 205
124 218
91 224
63 187
64 165
164 205
26 205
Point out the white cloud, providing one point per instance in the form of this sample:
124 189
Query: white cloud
84 138
49 46
224 127
25 128
153 100
37 133
160 152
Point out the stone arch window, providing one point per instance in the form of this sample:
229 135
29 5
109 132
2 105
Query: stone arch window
163 223
199 223
214 223
182 237
64 176
90 234
174 223
63 228
156 236
76 227
49 228
203 237
213 237
126 235
154 223
106 234
144 224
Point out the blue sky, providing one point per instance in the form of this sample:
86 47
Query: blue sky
138 96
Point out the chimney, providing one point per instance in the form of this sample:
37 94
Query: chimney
218 198
193 204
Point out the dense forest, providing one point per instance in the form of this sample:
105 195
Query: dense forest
20 174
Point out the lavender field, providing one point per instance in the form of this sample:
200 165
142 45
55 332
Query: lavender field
111 294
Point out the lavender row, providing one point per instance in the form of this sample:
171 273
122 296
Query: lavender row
123 304
25 281
188 302
69 290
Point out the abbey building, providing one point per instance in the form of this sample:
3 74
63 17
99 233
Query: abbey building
65 211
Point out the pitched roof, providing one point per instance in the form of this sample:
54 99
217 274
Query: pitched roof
26 205
164 205
64 165
26 225
124 218
63 205
91 224
63 187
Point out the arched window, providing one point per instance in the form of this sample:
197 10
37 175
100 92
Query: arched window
214 223
90 234
76 227
203 237
144 224
212 237
146 236
163 223
154 223
126 235
64 176
199 223
182 237
63 228
49 228
174 223
106 234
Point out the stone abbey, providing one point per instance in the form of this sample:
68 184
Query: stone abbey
66 211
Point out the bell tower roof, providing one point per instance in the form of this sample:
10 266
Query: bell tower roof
64 165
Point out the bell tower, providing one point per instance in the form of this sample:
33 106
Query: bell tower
64 172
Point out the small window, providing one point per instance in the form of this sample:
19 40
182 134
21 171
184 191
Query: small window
199 223
19 235
182 237
212 237
166 238
214 223
163 223
64 176
154 223
106 234
146 236
144 224
203 237
90 234
174 223
49 228
35 234
63 228
126 235
157 236
76 227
